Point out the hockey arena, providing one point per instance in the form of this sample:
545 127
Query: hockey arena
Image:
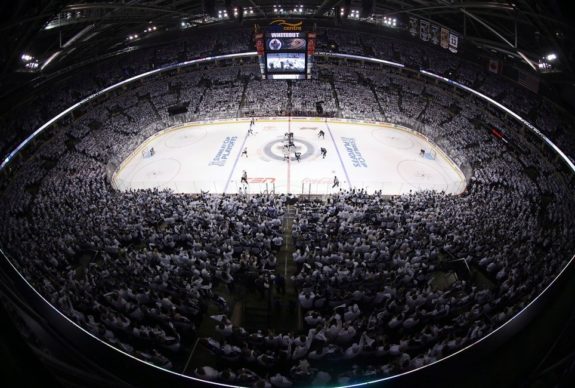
211 157
263 194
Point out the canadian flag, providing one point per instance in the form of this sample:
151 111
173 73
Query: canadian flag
494 66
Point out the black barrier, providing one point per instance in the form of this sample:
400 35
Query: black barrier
102 359
80 350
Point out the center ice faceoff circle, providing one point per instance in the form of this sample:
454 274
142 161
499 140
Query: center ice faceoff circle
275 149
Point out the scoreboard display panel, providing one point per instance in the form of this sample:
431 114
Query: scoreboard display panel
286 44
285 55
285 51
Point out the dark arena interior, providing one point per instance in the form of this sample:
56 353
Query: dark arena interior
277 282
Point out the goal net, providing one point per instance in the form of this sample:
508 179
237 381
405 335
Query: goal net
430 154
148 152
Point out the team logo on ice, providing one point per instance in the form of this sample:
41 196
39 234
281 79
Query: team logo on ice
353 152
276 149
224 152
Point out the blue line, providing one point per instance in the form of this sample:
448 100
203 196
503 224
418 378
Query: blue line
235 163
338 155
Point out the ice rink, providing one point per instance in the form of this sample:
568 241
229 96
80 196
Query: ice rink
209 157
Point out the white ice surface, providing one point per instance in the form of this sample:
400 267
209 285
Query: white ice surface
194 158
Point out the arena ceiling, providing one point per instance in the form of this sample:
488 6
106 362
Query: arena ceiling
524 31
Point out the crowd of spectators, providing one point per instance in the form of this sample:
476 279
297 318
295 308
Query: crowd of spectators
374 279
48 101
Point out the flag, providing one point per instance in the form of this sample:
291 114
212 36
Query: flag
413 26
453 42
529 81
444 38
494 66
424 30
434 34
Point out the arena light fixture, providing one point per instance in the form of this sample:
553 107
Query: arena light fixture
543 66
26 57
551 57
389 21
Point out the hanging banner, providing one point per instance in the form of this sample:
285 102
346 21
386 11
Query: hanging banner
453 42
311 36
260 43
424 30
413 26
444 38
434 34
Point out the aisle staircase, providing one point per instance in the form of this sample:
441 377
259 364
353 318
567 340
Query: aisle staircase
243 98
336 98
276 310
376 96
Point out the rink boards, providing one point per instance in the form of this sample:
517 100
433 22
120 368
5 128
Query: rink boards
208 156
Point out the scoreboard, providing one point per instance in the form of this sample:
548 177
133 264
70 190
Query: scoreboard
285 54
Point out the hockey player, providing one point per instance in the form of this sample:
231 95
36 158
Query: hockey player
323 152
335 182
245 152
321 134
244 177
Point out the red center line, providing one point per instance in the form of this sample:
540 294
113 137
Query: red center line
289 157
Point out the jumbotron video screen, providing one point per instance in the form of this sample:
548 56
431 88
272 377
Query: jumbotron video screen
286 55
285 63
